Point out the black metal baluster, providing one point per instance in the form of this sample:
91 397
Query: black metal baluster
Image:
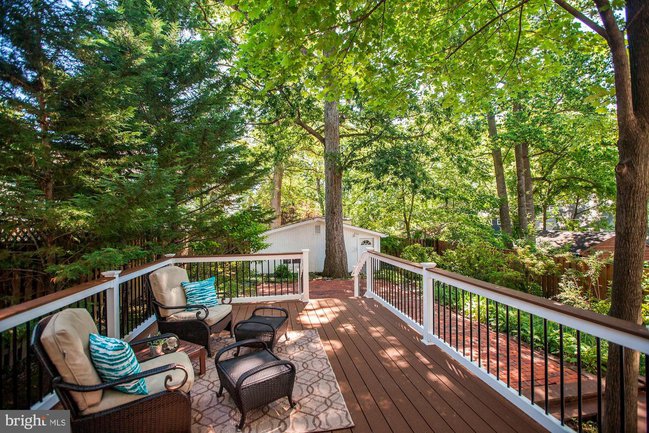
579 402
488 343
598 343
274 277
497 341
520 357
456 320
28 375
463 326
439 301
3 382
545 359
507 343
14 367
445 312
533 379
561 390
479 333
471 324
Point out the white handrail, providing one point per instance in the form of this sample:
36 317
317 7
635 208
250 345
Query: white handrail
618 332
115 278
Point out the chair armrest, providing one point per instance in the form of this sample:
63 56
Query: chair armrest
200 308
281 309
252 342
156 338
224 297
248 374
57 382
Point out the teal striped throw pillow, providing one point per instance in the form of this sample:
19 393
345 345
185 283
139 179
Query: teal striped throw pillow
201 292
115 359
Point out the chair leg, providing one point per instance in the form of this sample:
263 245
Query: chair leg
290 400
243 420
220 391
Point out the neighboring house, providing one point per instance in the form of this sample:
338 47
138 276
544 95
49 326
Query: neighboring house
310 234
581 243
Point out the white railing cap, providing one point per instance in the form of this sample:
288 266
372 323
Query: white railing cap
111 274
426 265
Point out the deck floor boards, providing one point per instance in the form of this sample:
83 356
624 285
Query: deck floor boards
391 381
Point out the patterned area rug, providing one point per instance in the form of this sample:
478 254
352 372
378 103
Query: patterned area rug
320 405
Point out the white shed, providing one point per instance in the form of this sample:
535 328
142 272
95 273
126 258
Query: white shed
310 234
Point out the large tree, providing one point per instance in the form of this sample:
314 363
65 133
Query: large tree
631 73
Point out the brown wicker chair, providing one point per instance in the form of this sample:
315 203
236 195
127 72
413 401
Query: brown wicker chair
174 315
167 409
255 378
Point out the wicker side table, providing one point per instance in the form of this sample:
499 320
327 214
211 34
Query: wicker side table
194 351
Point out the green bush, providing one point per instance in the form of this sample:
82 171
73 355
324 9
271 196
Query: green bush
282 272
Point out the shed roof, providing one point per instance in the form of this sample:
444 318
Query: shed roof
290 226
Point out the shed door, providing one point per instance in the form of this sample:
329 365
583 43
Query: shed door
363 245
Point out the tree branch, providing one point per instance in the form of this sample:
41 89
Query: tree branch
310 130
484 26
583 18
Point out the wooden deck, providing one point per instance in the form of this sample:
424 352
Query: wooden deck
391 381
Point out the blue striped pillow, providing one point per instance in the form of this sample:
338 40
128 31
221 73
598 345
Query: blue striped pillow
201 292
115 359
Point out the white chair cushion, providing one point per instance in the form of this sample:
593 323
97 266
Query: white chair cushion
166 287
154 384
215 314
66 342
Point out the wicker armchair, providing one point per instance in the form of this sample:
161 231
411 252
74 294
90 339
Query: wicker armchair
60 343
195 323
256 378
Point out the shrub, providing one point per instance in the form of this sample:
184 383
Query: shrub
282 272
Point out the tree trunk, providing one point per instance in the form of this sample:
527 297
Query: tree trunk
318 190
631 72
335 263
276 199
501 186
545 217
529 189
520 191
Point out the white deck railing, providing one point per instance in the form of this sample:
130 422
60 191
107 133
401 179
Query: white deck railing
498 334
120 302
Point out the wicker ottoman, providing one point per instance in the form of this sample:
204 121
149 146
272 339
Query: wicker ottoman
255 378
262 327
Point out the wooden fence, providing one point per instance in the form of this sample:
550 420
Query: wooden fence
599 287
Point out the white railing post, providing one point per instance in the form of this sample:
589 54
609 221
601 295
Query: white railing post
369 274
429 301
305 274
112 304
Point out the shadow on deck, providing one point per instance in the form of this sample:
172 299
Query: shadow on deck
391 381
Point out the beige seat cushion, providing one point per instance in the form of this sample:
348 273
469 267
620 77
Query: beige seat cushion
154 384
65 339
215 314
165 284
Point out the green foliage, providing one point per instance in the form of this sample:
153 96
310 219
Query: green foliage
282 272
518 269
119 133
